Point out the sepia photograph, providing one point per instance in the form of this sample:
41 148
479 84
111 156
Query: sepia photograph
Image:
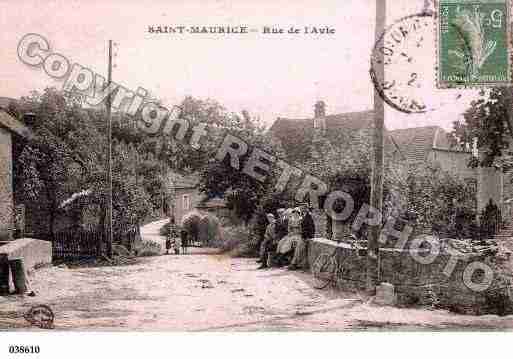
254 166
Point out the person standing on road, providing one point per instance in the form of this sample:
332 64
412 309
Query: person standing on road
307 232
270 237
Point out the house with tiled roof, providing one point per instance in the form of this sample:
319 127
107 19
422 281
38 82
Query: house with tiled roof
297 135
186 194
189 198
11 130
344 134
413 146
218 207
430 145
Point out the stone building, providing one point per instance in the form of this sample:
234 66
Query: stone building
296 136
430 145
404 147
186 194
188 198
301 139
217 207
11 130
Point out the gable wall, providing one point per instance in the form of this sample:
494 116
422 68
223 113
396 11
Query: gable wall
194 199
454 162
6 185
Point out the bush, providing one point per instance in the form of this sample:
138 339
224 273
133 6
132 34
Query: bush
208 229
190 223
436 197
205 229
164 230
148 249
238 241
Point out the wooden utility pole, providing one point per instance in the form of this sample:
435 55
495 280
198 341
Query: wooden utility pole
108 222
376 200
171 205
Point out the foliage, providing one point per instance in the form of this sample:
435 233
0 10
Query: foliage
347 167
68 156
348 154
60 159
191 224
164 230
271 201
209 229
433 195
489 120
242 192
148 248
238 241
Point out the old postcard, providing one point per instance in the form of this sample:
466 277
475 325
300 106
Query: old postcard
250 165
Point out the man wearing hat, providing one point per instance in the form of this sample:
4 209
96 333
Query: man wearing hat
270 237
282 224
307 232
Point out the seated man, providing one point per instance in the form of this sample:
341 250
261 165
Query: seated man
282 223
270 238
307 232
289 242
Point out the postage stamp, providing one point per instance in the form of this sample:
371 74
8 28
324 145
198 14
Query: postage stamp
474 43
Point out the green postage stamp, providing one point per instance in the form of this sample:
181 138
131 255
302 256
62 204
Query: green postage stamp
474 43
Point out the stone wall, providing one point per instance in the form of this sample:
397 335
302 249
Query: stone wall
416 283
33 251
6 195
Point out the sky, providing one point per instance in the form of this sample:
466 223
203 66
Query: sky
270 75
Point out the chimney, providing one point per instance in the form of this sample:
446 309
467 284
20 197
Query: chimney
319 122
320 109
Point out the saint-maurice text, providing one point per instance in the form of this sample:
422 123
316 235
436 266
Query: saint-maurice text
240 29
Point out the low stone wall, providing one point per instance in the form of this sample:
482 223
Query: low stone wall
33 251
416 283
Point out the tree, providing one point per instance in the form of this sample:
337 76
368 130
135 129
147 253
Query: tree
489 120
243 193
68 156
50 167
433 194
347 166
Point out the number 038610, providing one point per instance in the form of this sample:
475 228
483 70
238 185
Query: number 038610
24 349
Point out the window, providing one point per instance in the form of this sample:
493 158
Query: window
186 202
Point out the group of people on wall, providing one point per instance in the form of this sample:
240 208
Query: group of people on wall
284 241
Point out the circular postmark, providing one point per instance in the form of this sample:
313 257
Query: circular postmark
397 69
41 316
404 66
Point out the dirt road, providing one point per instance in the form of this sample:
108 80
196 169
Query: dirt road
209 292
212 292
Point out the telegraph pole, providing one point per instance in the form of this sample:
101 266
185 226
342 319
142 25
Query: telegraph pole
108 222
376 200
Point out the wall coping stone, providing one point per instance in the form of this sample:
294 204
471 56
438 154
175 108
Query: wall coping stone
33 251
344 245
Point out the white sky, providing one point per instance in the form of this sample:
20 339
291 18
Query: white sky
269 75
